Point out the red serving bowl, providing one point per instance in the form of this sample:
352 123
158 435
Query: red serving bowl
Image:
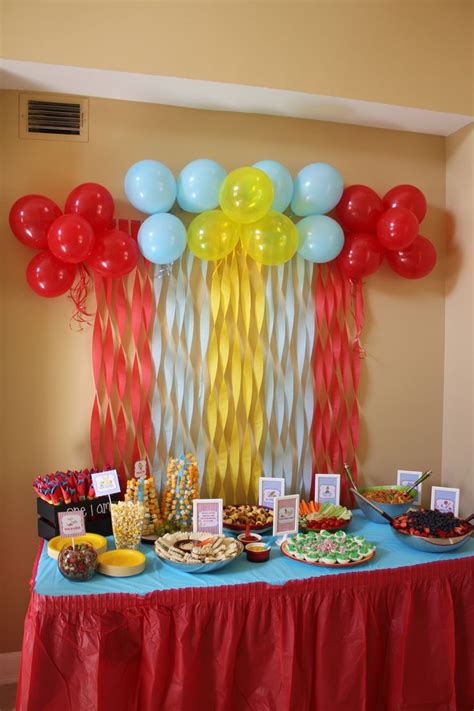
257 552
253 527
252 538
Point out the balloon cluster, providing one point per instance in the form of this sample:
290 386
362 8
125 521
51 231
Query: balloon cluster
246 204
82 237
376 227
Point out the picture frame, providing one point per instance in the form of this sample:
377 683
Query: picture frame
445 499
208 516
407 477
327 488
286 514
268 489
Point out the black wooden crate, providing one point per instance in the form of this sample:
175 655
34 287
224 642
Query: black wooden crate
96 515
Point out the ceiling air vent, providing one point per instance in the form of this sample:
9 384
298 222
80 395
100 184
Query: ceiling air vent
53 118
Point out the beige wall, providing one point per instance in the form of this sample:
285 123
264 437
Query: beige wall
458 432
46 367
407 52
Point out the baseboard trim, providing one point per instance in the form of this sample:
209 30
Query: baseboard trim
9 667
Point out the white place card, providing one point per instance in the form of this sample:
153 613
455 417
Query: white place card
407 477
286 511
445 499
327 488
106 483
208 516
268 489
71 524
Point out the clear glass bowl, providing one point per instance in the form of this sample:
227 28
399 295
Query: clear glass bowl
127 523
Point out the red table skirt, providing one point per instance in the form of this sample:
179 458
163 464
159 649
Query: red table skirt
389 640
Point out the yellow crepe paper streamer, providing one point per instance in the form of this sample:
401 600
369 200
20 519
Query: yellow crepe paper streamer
235 364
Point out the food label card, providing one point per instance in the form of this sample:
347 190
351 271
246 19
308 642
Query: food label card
286 514
71 524
268 489
407 478
106 483
140 469
445 499
327 488
207 516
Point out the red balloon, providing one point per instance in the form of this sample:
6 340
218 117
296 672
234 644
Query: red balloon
407 196
30 218
114 255
93 202
361 255
359 209
71 238
397 228
49 277
415 262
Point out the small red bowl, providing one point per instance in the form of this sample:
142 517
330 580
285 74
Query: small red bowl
252 538
257 552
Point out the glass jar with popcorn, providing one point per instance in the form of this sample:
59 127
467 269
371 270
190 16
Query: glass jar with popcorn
127 523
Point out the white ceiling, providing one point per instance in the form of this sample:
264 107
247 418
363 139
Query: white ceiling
219 96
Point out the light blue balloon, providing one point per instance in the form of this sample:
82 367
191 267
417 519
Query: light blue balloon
318 188
162 238
150 186
321 238
282 183
198 185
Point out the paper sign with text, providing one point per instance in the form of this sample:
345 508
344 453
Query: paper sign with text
71 524
106 483
445 499
207 516
286 510
327 488
140 469
268 488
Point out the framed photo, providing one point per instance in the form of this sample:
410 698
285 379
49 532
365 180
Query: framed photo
445 499
407 477
327 488
268 489
286 511
207 516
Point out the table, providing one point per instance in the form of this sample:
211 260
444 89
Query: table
394 634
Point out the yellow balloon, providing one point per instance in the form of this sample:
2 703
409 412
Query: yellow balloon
212 236
272 240
246 195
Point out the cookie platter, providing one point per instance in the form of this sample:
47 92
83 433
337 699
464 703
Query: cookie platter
336 550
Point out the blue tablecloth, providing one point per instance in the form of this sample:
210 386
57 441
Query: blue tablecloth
391 553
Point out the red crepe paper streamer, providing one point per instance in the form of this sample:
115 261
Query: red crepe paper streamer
336 367
121 424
